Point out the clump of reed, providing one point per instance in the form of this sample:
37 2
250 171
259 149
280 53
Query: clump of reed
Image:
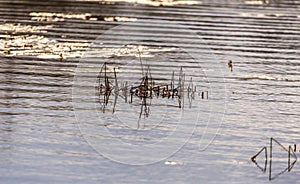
148 88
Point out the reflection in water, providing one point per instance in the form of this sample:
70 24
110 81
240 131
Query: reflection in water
290 164
57 17
265 37
262 2
60 17
175 90
157 2
119 19
29 40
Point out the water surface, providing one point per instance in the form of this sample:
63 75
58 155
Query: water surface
42 142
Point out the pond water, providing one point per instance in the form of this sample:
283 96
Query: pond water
115 92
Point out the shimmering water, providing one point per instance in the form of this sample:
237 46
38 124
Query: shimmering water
52 127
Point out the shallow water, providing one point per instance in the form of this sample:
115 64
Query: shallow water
53 128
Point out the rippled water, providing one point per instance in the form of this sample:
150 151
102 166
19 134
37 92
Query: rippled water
53 128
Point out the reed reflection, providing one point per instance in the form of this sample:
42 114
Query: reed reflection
176 89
